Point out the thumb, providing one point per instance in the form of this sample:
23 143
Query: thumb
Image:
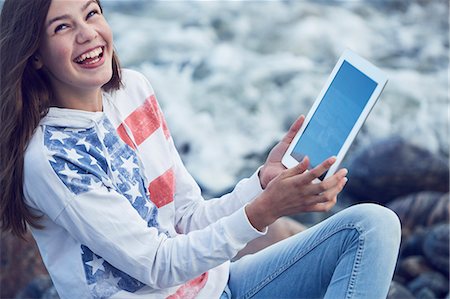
294 129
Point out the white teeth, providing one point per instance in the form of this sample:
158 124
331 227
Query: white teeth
91 54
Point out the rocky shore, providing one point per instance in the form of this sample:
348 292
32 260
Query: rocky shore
414 183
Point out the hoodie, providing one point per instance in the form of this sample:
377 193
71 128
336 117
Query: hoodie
122 216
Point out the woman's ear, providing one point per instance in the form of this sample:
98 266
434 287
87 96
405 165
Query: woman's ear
37 61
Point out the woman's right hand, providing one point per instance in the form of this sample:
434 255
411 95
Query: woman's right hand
294 191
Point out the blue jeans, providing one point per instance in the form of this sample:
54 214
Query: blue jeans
352 254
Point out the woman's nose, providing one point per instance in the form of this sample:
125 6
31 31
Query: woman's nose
86 33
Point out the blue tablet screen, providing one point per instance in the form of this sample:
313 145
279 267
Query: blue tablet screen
335 116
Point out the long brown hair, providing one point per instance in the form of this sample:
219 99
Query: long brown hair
25 96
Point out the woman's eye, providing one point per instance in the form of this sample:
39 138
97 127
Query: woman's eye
61 27
92 13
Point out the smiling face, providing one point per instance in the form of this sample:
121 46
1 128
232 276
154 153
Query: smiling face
76 53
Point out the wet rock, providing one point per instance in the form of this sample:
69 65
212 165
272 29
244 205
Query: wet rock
435 282
398 291
436 247
20 263
413 245
421 209
50 294
36 288
425 293
413 266
391 168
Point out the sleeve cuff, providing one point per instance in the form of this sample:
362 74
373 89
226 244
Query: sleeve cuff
249 188
239 230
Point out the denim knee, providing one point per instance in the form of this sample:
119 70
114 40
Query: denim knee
381 223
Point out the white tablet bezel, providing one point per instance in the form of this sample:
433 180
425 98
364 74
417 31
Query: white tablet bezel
366 68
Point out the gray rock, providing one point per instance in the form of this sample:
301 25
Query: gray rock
398 291
50 294
425 293
392 168
435 282
36 288
436 247
413 245
413 266
422 209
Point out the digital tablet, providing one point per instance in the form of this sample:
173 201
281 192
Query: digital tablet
338 113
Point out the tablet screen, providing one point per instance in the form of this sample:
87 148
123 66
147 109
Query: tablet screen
335 116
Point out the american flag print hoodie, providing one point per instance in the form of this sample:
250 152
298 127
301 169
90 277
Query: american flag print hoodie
122 216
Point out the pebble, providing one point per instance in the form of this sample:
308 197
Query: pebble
435 282
436 247
412 266
398 291
36 288
413 245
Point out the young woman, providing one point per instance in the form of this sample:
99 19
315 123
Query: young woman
87 162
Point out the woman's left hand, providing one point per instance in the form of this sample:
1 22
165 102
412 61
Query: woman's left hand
273 167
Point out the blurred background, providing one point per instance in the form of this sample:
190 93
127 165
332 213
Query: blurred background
231 76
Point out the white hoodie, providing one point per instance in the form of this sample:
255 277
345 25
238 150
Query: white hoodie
122 216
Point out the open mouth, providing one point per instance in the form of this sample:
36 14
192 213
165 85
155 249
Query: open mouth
90 57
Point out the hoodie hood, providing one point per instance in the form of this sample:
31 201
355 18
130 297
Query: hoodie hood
71 118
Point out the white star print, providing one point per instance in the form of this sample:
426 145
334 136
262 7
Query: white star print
134 192
51 155
148 204
58 135
116 175
96 264
107 182
103 130
112 280
128 163
71 174
72 154
95 185
93 161
86 144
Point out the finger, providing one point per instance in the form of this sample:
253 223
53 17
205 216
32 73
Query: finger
320 207
319 170
325 201
294 129
299 168
331 194
329 183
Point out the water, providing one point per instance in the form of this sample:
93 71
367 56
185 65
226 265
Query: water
231 76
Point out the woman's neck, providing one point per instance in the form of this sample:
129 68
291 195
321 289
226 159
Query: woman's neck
87 101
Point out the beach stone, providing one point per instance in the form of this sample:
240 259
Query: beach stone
50 294
425 293
393 167
20 263
398 291
413 266
433 281
36 288
423 209
413 245
436 247
281 229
